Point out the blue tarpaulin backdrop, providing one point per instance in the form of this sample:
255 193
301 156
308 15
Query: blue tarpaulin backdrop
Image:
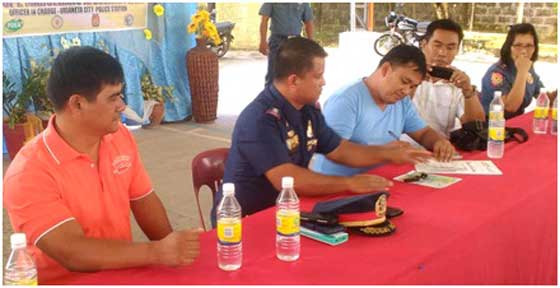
164 55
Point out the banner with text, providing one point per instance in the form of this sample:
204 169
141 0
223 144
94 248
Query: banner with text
28 19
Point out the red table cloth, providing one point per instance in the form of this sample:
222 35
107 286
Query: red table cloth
481 230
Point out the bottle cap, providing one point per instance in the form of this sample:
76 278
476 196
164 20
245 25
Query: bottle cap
287 182
18 240
498 93
228 189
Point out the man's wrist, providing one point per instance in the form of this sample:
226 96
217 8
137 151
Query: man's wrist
469 93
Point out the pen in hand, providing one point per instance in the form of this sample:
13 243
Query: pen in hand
393 135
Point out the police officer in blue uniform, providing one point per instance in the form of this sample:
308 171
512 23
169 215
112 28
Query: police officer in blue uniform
514 74
277 134
287 20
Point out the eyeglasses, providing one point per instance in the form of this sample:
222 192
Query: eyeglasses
415 177
523 46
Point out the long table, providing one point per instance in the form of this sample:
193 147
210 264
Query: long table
482 230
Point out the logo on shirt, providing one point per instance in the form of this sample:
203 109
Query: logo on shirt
497 79
121 164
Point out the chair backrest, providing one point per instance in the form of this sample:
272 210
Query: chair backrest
208 169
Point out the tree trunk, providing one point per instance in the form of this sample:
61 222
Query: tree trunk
520 8
442 10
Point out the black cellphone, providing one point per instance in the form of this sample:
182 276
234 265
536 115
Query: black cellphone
318 218
322 228
441 72
393 212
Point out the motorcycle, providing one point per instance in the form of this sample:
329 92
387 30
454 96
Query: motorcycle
224 30
402 30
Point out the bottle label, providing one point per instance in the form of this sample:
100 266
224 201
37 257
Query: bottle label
229 231
554 117
496 134
22 282
541 113
496 115
287 222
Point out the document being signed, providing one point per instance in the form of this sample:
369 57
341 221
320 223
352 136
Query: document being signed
471 167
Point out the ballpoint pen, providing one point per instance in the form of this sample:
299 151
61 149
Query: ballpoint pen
393 135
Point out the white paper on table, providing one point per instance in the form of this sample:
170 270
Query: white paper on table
471 167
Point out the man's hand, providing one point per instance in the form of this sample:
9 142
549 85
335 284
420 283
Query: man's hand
408 154
263 48
462 81
365 183
178 248
443 150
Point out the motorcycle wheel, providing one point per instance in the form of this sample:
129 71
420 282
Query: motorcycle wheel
223 47
385 43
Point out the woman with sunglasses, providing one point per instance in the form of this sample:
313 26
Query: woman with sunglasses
514 74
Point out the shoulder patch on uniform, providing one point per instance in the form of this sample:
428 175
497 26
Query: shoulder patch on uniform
497 79
275 112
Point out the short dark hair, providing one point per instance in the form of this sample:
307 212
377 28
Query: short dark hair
514 30
406 54
443 24
81 70
295 56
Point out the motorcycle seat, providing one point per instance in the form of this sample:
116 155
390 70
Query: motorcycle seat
224 25
422 26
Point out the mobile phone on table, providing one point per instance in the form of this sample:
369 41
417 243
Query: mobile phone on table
318 218
331 239
322 228
441 72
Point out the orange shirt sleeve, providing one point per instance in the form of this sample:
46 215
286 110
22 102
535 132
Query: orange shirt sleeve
34 204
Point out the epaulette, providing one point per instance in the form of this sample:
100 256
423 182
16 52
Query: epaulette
275 112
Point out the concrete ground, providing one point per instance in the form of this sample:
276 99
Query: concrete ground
167 150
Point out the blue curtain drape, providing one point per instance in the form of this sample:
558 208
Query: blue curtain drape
164 55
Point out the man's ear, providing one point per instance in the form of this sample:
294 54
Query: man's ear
423 43
292 80
75 103
385 69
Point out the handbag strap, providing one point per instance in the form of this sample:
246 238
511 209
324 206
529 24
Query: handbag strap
517 134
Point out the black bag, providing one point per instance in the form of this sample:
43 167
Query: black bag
474 136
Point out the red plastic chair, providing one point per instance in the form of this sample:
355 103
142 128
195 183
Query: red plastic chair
208 169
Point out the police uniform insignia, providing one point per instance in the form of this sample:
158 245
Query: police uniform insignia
292 141
309 129
530 79
275 112
311 142
497 79
381 206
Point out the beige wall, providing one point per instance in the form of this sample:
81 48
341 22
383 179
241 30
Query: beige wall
247 20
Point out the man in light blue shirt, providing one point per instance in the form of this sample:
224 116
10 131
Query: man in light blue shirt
287 20
376 110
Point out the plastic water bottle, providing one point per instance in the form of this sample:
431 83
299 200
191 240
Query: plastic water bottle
287 222
540 116
554 122
496 127
20 269
228 215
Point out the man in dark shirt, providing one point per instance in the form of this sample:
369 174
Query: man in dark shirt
287 20
277 134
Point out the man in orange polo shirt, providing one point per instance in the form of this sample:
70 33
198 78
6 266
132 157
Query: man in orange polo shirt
71 189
